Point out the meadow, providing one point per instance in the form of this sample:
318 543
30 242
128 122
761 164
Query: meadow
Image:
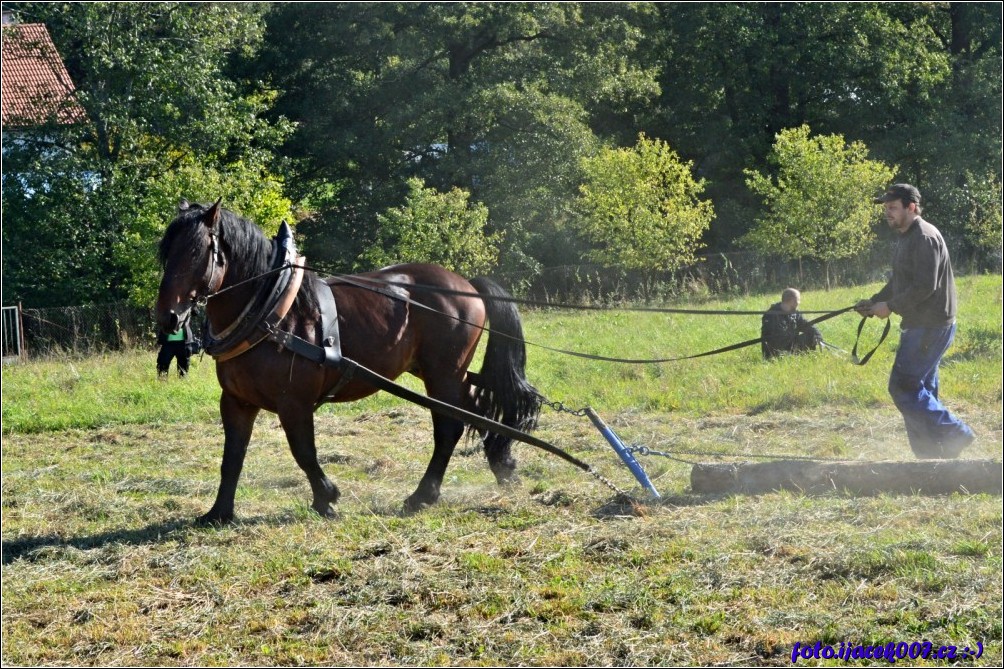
104 468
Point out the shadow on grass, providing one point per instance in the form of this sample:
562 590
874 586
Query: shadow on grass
37 548
622 507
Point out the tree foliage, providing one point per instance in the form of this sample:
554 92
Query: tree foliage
819 204
159 100
245 189
493 98
642 208
441 228
503 101
919 83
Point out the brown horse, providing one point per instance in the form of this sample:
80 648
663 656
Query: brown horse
391 321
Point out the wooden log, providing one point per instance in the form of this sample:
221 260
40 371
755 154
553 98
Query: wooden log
924 477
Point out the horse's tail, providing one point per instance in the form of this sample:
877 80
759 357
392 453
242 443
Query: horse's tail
502 392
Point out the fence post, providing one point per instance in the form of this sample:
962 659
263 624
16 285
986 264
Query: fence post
20 333
13 333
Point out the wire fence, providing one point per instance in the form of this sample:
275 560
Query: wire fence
85 330
713 275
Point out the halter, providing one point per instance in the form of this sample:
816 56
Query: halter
215 261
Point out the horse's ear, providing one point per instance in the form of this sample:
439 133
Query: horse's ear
213 215
183 205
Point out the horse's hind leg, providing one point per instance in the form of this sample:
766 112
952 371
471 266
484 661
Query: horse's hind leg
446 433
238 422
298 424
498 450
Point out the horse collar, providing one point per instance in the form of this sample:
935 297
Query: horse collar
274 300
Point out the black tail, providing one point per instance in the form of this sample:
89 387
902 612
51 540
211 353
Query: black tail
503 394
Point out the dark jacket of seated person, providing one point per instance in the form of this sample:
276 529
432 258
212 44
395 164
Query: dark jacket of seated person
784 330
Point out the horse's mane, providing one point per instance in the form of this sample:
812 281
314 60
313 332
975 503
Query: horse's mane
244 244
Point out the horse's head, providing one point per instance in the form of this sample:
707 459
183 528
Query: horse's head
193 263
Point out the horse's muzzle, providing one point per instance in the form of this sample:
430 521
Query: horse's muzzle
170 322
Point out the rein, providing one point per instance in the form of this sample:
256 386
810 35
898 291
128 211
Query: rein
347 279
826 315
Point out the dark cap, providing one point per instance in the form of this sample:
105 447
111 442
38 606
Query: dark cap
899 192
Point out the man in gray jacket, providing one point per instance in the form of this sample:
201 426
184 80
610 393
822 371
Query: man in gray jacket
922 291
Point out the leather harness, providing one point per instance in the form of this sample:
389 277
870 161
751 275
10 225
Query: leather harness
254 325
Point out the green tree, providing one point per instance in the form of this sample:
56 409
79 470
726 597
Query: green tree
641 207
983 224
497 99
919 83
951 147
246 191
820 202
434 227
156 86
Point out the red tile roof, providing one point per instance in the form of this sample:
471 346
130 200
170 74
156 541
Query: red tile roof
36 86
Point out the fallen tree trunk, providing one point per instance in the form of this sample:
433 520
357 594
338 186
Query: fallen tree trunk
924 477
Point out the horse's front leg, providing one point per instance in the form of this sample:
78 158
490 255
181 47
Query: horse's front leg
298 422
238 422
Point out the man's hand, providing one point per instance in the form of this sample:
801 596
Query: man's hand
864 307
881 310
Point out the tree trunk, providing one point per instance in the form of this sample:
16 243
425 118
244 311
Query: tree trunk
925 477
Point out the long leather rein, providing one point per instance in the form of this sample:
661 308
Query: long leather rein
246 332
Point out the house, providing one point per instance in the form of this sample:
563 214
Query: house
37 89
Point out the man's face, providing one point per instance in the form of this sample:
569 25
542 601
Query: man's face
899 217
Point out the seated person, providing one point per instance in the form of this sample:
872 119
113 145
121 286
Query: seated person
784 330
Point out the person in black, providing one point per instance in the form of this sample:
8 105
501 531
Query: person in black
922 291
784 330
179 345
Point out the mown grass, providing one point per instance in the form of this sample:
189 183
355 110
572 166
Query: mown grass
101 564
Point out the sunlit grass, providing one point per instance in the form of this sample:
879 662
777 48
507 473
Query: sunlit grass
104 468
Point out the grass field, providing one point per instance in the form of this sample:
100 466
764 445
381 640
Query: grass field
104 468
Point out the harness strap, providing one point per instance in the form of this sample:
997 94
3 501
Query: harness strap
352 369
868 356
273 303
330 336
345 280
457 413
265 326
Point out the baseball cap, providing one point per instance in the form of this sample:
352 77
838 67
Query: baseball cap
899 192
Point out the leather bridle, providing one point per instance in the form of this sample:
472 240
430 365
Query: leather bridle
216 260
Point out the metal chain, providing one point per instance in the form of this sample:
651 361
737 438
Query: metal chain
645 450
613 486
561 408
581 413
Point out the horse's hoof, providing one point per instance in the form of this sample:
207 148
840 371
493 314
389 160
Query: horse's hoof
214 520
509 481
413 505
326 512
505 472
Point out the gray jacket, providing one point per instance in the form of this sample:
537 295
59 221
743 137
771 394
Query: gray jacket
922 288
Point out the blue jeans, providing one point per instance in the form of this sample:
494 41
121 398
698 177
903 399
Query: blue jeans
931 428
